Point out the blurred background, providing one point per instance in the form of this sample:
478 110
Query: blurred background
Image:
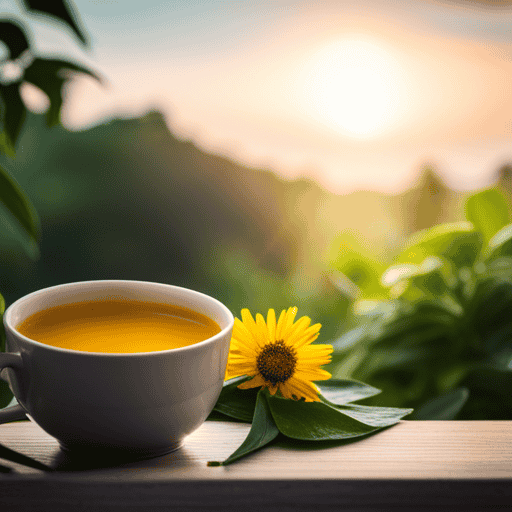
235 141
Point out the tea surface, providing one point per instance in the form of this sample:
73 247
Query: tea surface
118 326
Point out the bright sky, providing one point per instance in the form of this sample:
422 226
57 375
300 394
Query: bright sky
358 95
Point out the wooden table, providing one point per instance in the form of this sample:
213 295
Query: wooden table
429 465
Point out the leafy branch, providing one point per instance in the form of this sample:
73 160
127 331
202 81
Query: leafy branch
20 66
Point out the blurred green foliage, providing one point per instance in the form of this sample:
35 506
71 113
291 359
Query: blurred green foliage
20 66
435 331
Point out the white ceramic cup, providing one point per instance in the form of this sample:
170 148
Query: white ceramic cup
142 404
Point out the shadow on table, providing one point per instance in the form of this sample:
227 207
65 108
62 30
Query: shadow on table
60 460
83 460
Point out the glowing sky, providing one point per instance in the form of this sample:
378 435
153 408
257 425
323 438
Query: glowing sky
356 96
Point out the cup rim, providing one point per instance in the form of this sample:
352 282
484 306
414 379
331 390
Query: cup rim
82 353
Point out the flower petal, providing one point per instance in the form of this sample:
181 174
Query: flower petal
272 388
243 336
251 326
271 325
309 335
312 374
262 328
288 322
297 330
280 324
301 388
320 354
248 320
253 383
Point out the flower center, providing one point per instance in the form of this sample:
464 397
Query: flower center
276 362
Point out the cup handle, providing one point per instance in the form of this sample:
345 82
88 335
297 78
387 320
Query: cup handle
16 412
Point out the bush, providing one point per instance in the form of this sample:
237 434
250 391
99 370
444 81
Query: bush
435 331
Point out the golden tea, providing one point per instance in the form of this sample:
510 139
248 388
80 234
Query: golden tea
118 326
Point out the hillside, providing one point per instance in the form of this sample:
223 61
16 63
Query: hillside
129 200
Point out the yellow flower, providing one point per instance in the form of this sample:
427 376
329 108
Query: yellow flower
278 355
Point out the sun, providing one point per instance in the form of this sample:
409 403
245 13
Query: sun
356 87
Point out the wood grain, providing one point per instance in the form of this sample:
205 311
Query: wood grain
457 465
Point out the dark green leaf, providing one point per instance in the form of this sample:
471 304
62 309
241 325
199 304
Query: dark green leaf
314 421
263 431
13 112
18 204
61 9
12 33
237 403
493 324
218 416
5 394
49 75
341 391
375 416
444 407
488 211
394 358
431 283
464 249
412 331
491 380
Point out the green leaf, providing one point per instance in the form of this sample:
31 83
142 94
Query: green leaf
237 403
429 277
444 407
350 338
375 416
500 267
343 391
18 204
349 363
61 9
395 273
493 325
5 145
263 431
12 33
49 75
13 112
420 321
500 245
5 393
459 242
314 421
398 357
488 211
464 249
362 270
